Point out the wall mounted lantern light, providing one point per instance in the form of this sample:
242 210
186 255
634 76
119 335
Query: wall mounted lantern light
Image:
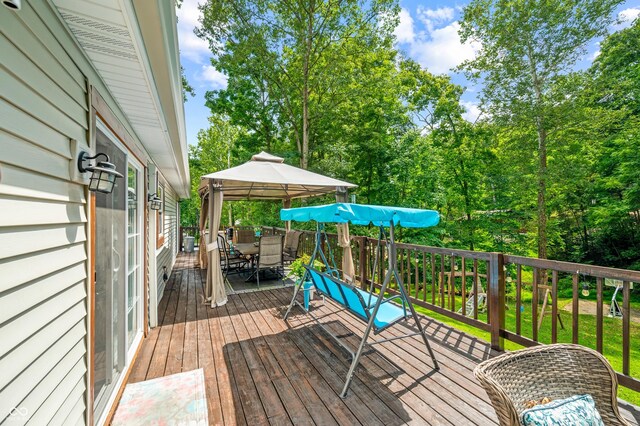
103 173
155 202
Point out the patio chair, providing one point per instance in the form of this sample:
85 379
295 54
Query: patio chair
270 256
230 263
555 371
245 236
291 244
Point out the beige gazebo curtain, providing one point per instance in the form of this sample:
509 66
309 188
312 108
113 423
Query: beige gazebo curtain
344 241
215 290
204 214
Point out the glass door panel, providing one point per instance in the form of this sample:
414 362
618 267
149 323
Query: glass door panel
134 267
110 274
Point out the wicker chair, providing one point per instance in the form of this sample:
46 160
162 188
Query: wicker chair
554 371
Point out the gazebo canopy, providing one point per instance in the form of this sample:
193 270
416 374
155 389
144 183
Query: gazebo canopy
267 177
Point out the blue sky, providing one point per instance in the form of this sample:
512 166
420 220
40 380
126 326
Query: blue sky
427 33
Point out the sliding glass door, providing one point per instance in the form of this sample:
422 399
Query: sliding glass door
118 271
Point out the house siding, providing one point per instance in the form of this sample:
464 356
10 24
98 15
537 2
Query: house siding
166 256
43 225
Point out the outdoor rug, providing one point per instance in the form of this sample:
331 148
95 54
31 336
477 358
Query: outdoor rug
173 400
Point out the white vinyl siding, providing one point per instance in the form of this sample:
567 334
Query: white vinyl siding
43 250
166 256
44 108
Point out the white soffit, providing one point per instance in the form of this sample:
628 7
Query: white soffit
108 33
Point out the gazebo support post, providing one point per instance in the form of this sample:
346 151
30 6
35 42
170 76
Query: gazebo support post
286 204
211 239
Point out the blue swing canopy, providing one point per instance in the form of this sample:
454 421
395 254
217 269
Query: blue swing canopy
362 214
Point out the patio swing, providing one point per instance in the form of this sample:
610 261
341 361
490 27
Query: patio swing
376 310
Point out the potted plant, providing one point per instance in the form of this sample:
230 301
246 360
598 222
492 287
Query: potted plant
297 272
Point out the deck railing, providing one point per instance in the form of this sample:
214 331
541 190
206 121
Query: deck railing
513 298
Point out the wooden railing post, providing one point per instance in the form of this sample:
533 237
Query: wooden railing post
180 239
497 300
362 262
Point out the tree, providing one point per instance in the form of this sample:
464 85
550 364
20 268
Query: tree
461 146
278 55
526 46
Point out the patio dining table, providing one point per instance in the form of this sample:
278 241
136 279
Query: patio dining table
247 249
250 251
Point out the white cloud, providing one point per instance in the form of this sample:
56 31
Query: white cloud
472 111
404 31
191 46
432 18
627 16
438 48
213 78
442 49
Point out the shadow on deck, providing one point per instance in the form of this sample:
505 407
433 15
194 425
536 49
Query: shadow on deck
260 369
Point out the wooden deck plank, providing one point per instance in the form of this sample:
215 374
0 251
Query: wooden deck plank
176 345
291 402
411 355
391 411
416 372
160 353
414 406
266 391
190 357
260 369
229 398
313 366
248 395
205 354
308 385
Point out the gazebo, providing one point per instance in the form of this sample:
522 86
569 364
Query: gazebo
264 177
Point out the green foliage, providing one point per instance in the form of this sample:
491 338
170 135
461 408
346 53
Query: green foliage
398 131
296 269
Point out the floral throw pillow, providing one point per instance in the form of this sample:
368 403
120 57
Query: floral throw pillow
578 410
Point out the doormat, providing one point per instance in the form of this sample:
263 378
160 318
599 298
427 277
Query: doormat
178 399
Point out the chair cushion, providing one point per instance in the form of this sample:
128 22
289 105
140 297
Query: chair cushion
578 410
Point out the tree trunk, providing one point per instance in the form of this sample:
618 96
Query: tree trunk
304 155
542 159
542 190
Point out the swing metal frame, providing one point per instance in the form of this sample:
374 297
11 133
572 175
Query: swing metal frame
392 272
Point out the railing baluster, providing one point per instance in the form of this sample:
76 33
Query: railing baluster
534 306
452 285
518 299
488 290
599 315
433 278
424 276
475 289
416 278
409 252
441 283
554 307
626 325
463 287
575 309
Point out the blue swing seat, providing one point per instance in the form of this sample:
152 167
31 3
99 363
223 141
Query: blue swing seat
359 302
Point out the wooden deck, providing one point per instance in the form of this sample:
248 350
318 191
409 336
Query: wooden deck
260 369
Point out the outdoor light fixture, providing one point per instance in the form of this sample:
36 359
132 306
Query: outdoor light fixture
585 289
155 202
103 173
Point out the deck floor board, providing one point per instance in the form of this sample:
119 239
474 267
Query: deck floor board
260 369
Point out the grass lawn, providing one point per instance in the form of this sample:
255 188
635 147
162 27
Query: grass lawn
612 339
